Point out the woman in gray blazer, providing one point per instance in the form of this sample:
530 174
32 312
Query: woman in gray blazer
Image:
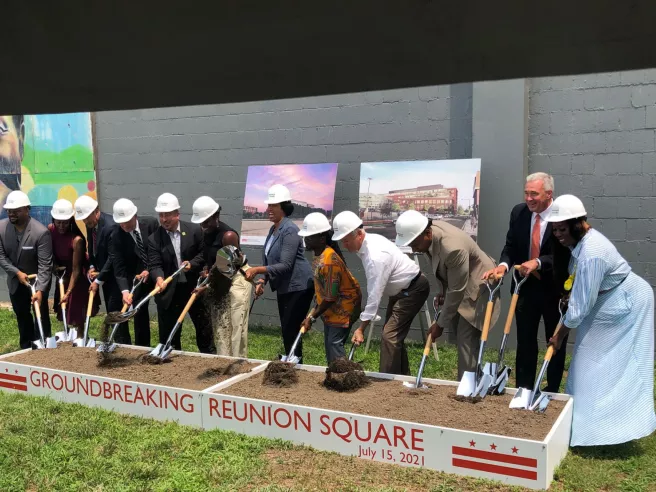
285 268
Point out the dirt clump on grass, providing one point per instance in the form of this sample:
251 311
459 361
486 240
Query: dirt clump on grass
345 375
280 374
231 369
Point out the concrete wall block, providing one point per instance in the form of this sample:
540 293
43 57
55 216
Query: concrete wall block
628 208
608 79
439 109
642 141
588 186
650 120
634 77
647 250
649 163
607 98
639 185
648 208
434 92
570 82
608 164
604 208
567 143
640 229
560 164
583 164
613 229
618 142
565 100
396 95
643 95
615 186
592 143
539 123
565 184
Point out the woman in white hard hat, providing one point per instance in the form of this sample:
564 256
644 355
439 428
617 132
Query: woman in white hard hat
69 251
612 372
285 268
339 299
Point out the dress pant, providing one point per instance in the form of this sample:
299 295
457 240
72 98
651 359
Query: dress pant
142 319
468 340
28 330
293 308
230 320
535 302
199 314
401 310
114 302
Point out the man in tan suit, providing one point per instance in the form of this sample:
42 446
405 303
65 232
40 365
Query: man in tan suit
459 264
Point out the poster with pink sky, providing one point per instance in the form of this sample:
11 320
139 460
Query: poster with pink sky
312 187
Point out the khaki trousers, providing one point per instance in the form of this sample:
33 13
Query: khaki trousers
401 310
230 321
468 339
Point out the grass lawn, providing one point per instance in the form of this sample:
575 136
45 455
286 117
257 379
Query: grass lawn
46 445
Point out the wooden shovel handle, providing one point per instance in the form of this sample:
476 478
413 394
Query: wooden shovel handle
551 349
37 309
62 294
427 347
488 319
31 276
156 290
511 313
186 309
90 303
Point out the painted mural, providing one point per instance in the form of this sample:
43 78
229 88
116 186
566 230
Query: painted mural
48 157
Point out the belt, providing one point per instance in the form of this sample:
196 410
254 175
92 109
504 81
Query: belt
614 287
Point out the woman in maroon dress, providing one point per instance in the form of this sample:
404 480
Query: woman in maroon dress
69 251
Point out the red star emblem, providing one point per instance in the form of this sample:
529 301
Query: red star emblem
493 447
16 371
514 450
6 370
472 444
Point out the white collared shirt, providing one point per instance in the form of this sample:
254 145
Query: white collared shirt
136 228
388 271
175 239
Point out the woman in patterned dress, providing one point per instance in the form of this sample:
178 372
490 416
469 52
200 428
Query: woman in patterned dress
339 298
611 376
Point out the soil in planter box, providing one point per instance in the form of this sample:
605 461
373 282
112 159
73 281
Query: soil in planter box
390 399
182 371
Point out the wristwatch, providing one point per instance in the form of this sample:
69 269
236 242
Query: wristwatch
312 319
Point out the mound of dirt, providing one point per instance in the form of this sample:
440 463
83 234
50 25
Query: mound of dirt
231 369
280 374
345 375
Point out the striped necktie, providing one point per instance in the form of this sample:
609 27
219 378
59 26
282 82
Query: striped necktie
142 250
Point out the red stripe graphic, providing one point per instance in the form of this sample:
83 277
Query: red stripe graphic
500 457
13 386
11 377
498 469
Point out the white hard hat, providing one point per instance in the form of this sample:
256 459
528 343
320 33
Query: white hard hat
345 223
17 199
314 223
62 210
167 202
203 208
408 226
566 207
84 206
278 194
124 210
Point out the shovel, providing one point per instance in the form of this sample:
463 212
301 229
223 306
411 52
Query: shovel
122 317
85 341
536 400
291 358
109 345
417 384
42 342
352 351
162 351
477 383
503 372
68 335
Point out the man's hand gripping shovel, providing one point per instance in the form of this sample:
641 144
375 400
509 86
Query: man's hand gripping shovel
42 342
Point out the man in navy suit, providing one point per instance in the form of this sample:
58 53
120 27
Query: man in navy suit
529 247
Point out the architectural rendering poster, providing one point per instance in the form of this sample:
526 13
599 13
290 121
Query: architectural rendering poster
312 188
447 190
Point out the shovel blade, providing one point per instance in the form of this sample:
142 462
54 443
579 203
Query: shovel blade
61 336
91 343
106 347
38 344
410 385
500 382
51 343
491 369
483 386
521 399
541 405
157 351
72 335
292 359
467 384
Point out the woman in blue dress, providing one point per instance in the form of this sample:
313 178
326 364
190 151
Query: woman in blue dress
611 376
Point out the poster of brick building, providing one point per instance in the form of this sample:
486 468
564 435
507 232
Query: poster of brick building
447 190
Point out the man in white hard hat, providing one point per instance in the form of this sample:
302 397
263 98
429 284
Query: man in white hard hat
529 249
389 273
100 228
459 264
173 243
229 319
25 249
129 252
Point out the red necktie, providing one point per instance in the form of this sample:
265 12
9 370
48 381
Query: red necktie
535 239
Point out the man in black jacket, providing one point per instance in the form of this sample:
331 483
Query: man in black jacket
528 247
129 255
100 228
172 244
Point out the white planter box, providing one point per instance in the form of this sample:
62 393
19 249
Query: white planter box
511 460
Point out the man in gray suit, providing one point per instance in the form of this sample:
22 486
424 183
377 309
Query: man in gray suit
25 249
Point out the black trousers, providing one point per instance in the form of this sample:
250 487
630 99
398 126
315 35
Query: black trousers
142 319
114 302
28 330
200 317
536 302
293 308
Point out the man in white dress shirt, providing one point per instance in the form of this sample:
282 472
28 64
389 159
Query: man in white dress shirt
389 273
529 247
